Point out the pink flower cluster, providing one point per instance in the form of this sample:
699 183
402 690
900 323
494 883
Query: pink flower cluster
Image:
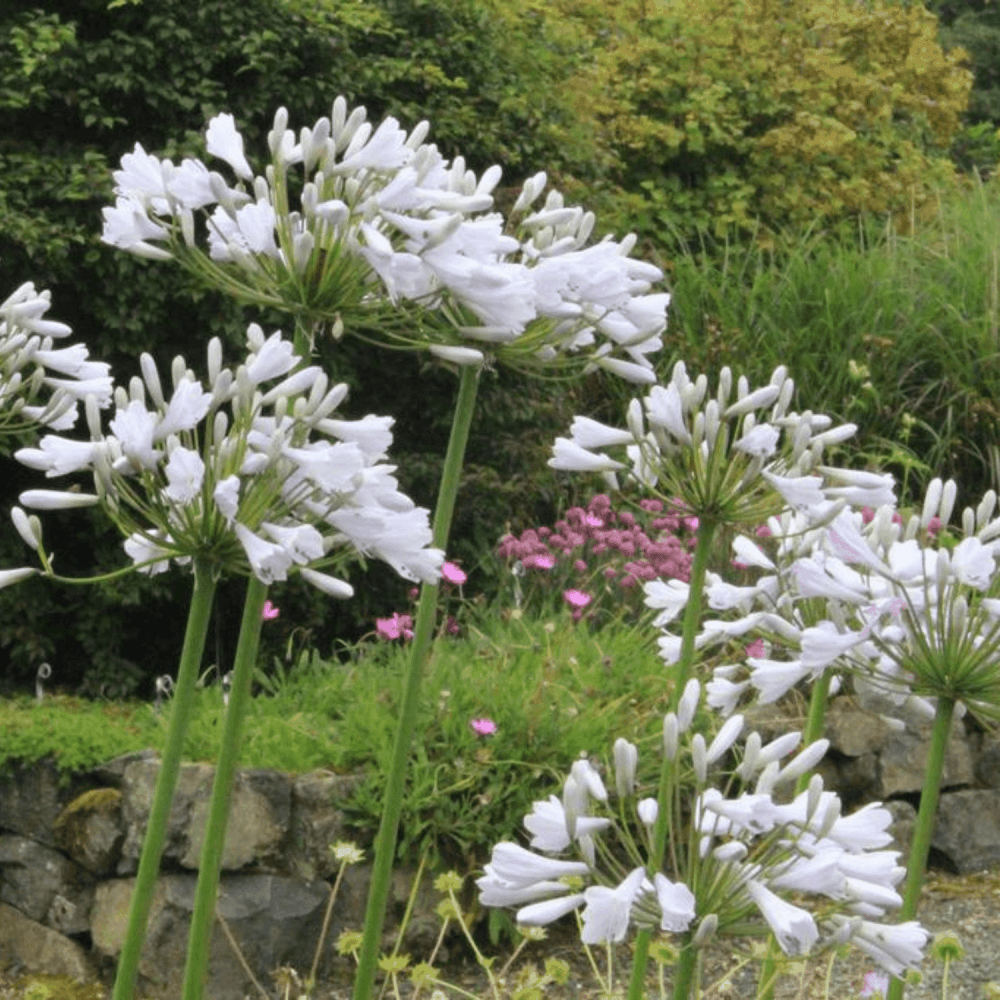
397 627
650 551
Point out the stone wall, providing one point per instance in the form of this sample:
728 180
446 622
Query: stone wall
68 853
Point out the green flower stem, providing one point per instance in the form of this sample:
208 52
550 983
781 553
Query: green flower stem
815 721
203 917
926 815
170 764
685 969
689 631
385 842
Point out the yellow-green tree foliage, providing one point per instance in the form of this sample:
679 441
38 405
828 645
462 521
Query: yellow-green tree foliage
796 112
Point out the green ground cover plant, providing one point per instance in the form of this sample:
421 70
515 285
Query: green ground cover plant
552 686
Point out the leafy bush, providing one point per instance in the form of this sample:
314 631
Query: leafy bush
793 112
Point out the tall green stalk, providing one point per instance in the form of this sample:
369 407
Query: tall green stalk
812 732
203 917
385 842
689 631
921 845
170 764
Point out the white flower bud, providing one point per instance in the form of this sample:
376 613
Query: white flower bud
751 755
648 810
813 795
725 385
699 758
458 355
626 761
948 494
178 370
804 761
985 509
152 380
932 500
29 528
688 704
56 500
671 731
725 738
136 390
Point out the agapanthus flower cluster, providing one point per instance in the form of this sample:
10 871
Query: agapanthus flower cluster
371 230
908 610
750 854
736 461
247 477
41 384
599 552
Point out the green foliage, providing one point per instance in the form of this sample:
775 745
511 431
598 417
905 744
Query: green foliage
708 129
102 76
554 690
895 333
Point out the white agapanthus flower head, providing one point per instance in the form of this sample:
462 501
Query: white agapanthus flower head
393 242
735 460
42 385
249 473
753 850
908 609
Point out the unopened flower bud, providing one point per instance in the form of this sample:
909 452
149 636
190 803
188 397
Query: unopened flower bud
706 931
671 731
136 390
648 810
813 795
804 761
178 370
29 528
626 761
725 385
948 494
688 704
698 758
932 500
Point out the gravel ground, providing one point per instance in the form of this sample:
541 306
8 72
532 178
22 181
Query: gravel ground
967 906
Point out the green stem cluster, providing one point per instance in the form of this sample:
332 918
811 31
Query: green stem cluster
684 972
170 764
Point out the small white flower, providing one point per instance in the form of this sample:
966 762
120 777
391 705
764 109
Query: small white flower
227 497
606 915
185 472
222 140
677 904
268 561
794 928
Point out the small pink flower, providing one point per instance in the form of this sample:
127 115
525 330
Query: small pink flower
413 593
544 560
269 611
763 531
451 627
577 598
451 573
933 526
580 566
897 518
483 727
867 515
594 522
691 523
756 648
875 982
396 627
740 565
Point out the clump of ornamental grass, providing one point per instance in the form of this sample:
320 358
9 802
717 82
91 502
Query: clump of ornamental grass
594 560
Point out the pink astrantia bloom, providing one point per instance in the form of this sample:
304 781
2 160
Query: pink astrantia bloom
483 727
269 611
451 573
756 648
577 598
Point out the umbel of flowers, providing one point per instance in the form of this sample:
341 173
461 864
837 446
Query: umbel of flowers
246 477
250 473
732 865
370 231
41 384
